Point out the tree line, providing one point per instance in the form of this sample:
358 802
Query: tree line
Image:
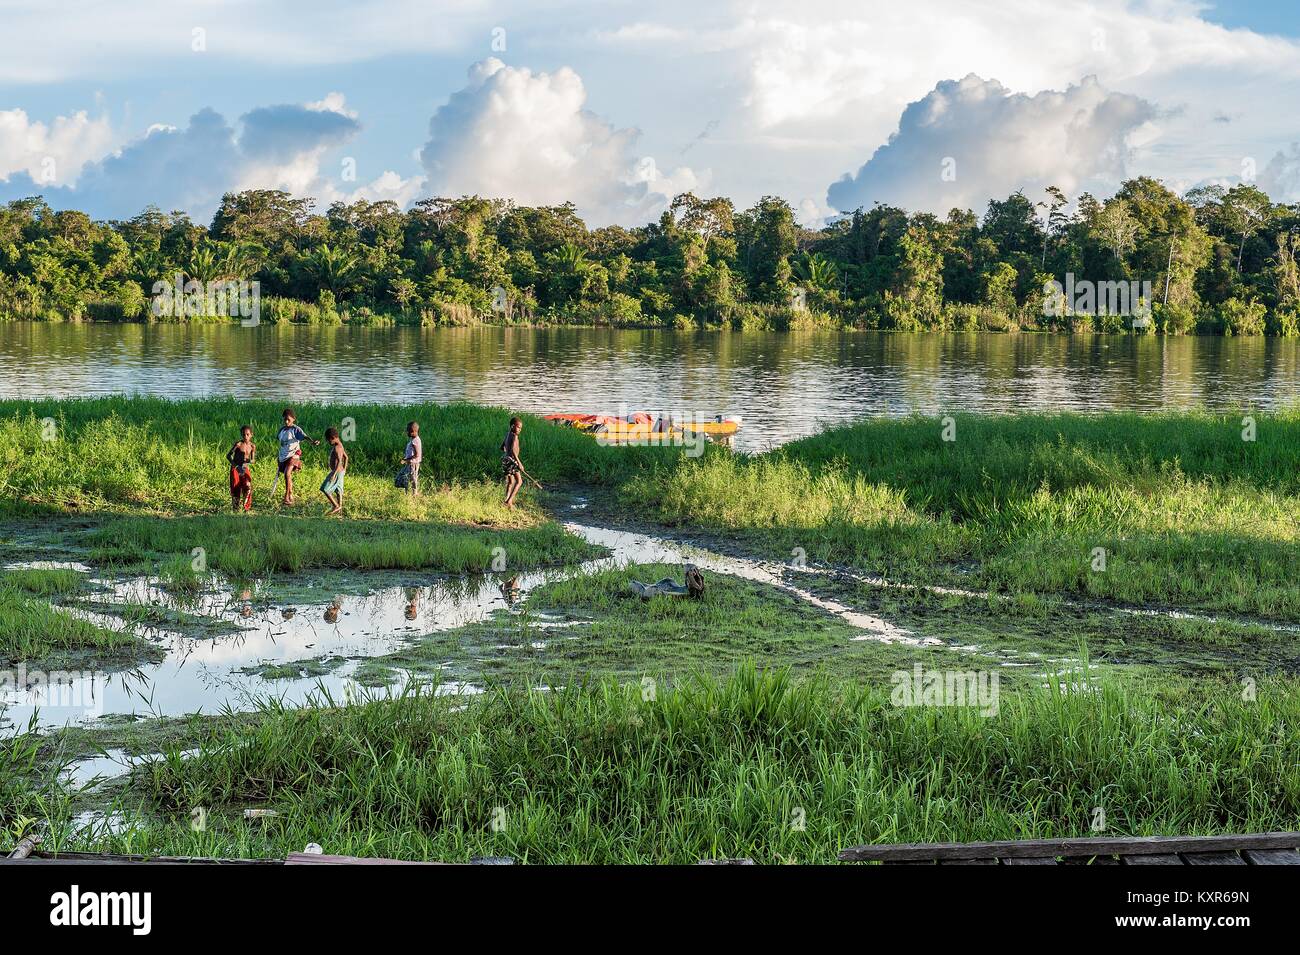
1216 260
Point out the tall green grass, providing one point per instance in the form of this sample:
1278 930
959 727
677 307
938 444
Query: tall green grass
1185 510
246 549
151 453
31 628
23 797
751 765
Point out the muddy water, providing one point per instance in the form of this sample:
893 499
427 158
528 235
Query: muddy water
207 674
339 632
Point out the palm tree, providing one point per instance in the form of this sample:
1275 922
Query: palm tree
333 268
817 271
151 266
571 259
242 259
204 264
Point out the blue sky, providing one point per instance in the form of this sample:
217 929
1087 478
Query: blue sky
619 104
1265 16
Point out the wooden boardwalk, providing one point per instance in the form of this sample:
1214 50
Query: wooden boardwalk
1264 848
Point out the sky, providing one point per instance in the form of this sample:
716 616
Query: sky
616 105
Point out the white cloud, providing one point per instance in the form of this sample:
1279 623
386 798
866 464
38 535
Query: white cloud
811 214
332 103
528 136
806 88
1281 177
190 168
971 140
818 84
53 153
389 187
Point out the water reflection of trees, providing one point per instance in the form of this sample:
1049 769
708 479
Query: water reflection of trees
786 383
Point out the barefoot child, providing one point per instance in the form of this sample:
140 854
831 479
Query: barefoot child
290 457
511 467
241 456
412 457
332 486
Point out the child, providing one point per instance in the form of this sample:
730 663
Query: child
412 457
511 467
332 486
290 458
241 456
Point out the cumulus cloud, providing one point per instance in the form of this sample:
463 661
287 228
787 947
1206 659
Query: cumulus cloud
528 136
278 134
389 187
51 153
190 168
1281 177
971 140
816 85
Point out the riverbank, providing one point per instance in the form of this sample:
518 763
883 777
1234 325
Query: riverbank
1233 319
1136 685
1191 512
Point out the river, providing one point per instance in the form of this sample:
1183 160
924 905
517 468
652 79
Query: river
783 385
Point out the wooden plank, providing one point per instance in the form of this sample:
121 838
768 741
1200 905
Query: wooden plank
1272 856
111 860
1084 846
1029 860
968 862
1089 860
1213 858
101 858
1170 858
312 858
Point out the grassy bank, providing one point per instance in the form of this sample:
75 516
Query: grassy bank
148 454
1165 509
751 765
1173 509
244 549
126 462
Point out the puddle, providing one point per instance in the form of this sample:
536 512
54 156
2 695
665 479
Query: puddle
49 565
209 674
110 764
94 823
629 547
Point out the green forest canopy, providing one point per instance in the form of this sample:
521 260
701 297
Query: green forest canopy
1218 260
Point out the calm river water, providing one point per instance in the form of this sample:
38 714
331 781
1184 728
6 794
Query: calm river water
784 385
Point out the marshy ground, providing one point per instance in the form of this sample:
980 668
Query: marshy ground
397 682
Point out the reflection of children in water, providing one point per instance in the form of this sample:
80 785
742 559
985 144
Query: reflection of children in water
510 589
412 603
246 605
332 611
